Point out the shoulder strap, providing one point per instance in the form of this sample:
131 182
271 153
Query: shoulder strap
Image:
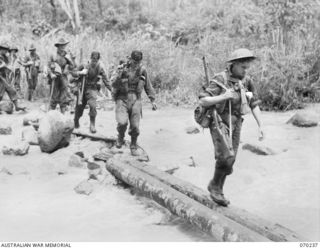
225 78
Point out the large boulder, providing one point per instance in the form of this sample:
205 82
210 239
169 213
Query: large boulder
304 118
30 135
17 148
6 106
54 131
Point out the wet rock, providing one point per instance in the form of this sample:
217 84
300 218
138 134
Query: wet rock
94 170
5 129
30 135
6 106
54 131
304 118
259 149
192 130
17 148
77 161
80 154
84 188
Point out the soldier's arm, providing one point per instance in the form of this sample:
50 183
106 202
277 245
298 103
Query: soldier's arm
254 100
254 105
148 86
51 68
104 78
213 94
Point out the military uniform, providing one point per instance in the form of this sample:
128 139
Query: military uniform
16 70
32 67
59 66
5 86
5 72
227 112
127 90
222 108
90 93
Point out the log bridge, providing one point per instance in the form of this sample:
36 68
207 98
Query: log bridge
190 202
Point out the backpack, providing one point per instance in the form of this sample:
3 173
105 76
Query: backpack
204 115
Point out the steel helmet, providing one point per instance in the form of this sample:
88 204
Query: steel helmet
241 53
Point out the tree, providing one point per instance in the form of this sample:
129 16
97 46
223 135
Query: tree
72 12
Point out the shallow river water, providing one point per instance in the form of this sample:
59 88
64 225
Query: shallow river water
38 204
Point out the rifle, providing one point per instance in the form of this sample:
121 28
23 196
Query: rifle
205 65
83 81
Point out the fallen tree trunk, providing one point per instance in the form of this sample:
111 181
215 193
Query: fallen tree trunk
214 223
274 232
95 137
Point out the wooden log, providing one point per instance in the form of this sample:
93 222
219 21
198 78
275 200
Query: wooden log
214 223
274 232
94 137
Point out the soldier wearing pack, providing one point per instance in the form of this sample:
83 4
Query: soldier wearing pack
15 67
32 67
59 66
5 76
228 95
127 89
91 74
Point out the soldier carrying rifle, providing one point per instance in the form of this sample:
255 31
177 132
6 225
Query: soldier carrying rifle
88 88
227 96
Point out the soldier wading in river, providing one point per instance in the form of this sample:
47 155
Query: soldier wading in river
128 85
91 74
229 92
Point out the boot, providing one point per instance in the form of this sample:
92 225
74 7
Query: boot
15 102
134 146
120 141
215 190
221 187
92 124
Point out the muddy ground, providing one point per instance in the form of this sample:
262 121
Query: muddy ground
38 201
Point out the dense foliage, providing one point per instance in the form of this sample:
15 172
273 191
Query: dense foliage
175 34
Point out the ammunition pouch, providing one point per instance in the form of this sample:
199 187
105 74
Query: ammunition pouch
203 116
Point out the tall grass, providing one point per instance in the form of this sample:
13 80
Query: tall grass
176 71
